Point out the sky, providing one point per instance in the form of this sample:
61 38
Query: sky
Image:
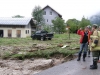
69 9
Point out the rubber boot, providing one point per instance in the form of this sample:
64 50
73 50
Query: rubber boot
79 57
98 57
84 56
94 66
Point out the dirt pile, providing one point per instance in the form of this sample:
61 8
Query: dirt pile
26 67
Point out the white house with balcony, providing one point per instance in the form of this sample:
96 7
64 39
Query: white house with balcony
50 14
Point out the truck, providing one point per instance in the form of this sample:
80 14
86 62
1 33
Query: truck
42 35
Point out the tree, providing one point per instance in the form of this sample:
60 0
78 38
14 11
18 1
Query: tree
37 13
73 24
47 28
84 22
17 16
59 25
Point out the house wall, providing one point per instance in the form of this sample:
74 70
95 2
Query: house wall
48 16
28 30
14 32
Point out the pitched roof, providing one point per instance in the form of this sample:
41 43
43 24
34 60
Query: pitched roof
53 10
14 21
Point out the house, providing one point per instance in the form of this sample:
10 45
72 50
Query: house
50 14
16 27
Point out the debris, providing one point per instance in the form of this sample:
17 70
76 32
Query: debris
65 46
32 59
75 48
60 45
84 67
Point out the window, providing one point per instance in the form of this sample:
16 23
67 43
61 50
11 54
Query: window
47 20
44 13
26 31
50 12
37 32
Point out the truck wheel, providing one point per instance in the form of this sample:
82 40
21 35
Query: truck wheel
49 38
44 39
41 39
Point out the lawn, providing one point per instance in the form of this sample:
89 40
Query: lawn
23 47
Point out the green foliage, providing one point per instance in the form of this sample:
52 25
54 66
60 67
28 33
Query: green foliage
18 16
29 42
59 25
76 24
44 53
6 55
18 56
37 13
84 22
15 41
73 24
47 53
47 28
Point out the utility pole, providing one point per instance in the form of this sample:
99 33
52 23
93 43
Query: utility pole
68 29
69 32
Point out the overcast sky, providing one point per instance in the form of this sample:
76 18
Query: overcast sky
67 8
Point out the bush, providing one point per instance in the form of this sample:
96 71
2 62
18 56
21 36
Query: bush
6 55
43 53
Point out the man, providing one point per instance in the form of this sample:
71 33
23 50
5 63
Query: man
95 46
83 42
99 52
89 29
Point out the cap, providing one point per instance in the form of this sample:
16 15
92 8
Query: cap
89 26
95 25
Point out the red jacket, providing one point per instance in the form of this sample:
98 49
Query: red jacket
81 33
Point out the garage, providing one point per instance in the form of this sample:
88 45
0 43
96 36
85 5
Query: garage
18 33
15 27
1 33
9 33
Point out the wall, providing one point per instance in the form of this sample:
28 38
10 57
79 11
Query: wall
48 16
14 33
28 27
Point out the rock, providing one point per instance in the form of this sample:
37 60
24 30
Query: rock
26 72
22 52
42 48
60 45
65 46
56 62
34 44
3 65
18 68
32 59
74 48
33 49
17 72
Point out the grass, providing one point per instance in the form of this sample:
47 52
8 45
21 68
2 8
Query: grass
58 38
48 53
41 54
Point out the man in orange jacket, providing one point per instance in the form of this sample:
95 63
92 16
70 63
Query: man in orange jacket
84 40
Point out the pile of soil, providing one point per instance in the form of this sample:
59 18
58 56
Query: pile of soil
29 66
